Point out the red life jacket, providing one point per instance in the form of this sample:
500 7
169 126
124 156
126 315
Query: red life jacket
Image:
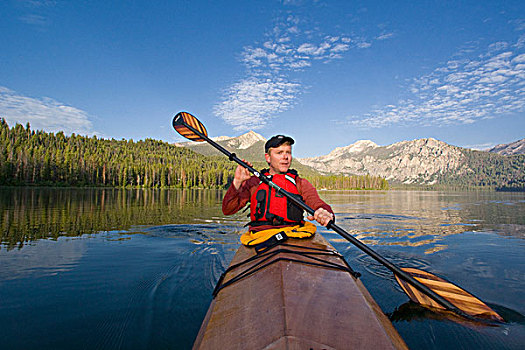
269 208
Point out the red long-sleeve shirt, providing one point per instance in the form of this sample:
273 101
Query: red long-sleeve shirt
236 199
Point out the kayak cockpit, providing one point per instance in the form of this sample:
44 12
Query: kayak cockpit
289 303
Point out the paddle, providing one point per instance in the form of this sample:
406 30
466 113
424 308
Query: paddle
422 287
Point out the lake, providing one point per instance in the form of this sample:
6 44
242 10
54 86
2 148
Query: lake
135 269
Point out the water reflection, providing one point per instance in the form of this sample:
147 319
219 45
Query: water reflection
151 290
148 291
411 311
27 214
394 218
425 218
45 259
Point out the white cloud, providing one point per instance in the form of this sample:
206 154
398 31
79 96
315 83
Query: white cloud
311 49
521 42
385 36
340 48
251 103
519 24
364 45
37 12
35 19
462 91
519 59
266 91
43 113
481 146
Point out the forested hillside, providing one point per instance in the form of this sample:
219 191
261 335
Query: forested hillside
37 157
485 169
29 157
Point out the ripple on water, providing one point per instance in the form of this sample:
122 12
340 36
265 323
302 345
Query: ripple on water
177 274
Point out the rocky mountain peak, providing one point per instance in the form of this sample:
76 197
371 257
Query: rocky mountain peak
416 161
509 149
238 142
221 138
357 147
246 140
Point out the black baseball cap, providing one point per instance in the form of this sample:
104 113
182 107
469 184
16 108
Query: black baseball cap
276 141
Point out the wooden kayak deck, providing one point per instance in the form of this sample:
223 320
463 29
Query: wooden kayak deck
293 305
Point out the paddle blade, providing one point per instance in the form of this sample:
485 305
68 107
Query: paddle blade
182 120
460 298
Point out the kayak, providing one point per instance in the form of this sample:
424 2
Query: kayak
421 286
300 294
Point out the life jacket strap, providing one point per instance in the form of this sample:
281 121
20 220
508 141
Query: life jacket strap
271 242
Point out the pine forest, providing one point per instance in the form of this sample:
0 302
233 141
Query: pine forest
29 157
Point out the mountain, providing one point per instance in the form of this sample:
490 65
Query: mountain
241 142
423 161
249 146
509 149
420 162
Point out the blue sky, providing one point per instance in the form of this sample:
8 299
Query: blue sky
328 73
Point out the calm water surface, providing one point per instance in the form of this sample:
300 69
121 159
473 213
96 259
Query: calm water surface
134 269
